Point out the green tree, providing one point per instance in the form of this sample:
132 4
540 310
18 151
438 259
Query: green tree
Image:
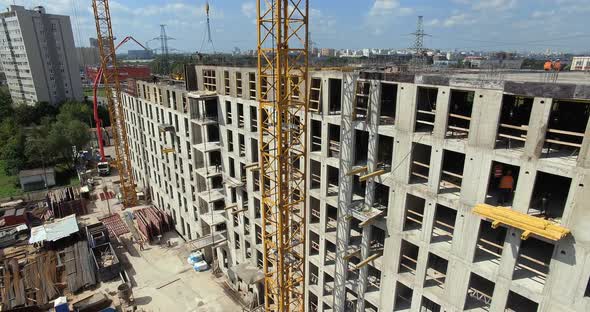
75 111
64 136
38 152
12 146
5 104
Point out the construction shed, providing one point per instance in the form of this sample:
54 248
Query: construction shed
36 179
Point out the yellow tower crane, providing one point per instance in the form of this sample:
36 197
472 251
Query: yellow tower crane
106 47
281 89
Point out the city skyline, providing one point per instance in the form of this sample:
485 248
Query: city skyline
511 25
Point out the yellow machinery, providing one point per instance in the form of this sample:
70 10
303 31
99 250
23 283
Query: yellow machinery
528 224
106 46
281 89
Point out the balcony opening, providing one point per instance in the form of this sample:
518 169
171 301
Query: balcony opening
215 159
230 141
388 103
549 196
359 189
420 167
313 302
331 218
332 181
567 125
239 88
490 244
514 121
242 142
226 82
328 285
444 225
334 140
381 197
377 239
330 253
243 179
316 135
209 80
232 168
216 182
258 235
429 305
452 172
252 86
240 115
414 214
315 95
212 133
518 303
254 150
314 244
425 109
253 119
314 206
436 271
315 168
313 274
361 147
461 105
335 96
587 291
257 208
408 258
532 264
361 100
370 308
228 113
385 152
479 293
403 297
502 184
256 180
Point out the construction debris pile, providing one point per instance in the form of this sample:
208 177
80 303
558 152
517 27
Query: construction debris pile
28 278
78 266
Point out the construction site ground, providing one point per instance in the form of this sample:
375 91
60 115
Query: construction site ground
161 278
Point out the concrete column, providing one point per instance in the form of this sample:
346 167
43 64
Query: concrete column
485 118
389 274
525 186
584 156
373 127
345 192
442 112
406 100
538 125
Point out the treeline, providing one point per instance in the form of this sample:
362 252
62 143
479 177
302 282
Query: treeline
42 134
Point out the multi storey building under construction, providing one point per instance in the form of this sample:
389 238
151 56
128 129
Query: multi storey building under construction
406 173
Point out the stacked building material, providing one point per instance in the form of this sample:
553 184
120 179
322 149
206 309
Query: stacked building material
79 271
66 201
115 225
153 222
28 280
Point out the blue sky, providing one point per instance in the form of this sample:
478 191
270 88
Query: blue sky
559 25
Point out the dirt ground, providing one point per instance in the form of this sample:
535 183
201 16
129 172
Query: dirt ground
161 278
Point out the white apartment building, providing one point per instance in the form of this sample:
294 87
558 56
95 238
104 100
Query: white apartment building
38 56
396 165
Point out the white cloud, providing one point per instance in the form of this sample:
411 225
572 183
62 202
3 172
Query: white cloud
388 7
543 14
458 19
494 4
249 9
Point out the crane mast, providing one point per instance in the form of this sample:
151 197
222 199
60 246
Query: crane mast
281 89
106 47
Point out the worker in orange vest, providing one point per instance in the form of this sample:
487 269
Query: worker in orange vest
506 187
548 65
557 65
